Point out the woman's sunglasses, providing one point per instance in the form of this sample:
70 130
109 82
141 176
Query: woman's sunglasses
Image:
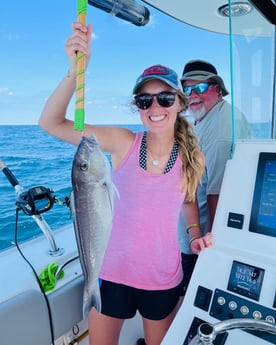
165 99
197 88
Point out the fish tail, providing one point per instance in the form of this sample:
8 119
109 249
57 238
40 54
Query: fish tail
91 301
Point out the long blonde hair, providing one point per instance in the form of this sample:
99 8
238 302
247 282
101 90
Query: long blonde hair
189 151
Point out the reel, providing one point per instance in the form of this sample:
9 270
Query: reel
35 201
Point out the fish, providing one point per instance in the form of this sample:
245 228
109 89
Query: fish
92 201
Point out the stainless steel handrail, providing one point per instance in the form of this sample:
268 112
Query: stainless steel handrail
208 332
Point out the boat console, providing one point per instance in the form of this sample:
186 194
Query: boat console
236 278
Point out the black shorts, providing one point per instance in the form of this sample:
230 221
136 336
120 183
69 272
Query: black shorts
123 301
188 265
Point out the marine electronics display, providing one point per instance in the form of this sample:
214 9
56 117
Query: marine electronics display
263 213
246 280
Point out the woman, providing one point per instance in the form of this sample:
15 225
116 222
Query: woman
156 173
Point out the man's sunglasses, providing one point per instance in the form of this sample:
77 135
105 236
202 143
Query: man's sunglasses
165 99
197 88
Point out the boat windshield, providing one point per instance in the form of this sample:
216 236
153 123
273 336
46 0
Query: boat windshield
250 26
252 64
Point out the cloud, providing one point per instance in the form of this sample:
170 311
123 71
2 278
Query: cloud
5 90
152 23
9 36
95 36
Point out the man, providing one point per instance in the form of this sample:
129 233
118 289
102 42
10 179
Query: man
212 116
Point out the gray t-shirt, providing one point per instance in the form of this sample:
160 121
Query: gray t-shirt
214 132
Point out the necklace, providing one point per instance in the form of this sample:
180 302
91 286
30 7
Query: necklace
154 162
146 157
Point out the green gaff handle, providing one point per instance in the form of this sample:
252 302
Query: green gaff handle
79 110
79 120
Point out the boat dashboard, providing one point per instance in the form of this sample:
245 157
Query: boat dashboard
236 278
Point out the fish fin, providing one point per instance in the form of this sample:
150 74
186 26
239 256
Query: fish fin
111 190
116 190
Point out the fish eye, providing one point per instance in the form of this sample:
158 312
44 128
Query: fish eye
84 166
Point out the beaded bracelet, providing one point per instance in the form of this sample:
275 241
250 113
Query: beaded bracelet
190 226
193 239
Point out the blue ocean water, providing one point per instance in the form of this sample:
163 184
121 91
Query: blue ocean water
36 159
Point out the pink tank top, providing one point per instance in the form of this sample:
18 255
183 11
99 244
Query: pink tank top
143 250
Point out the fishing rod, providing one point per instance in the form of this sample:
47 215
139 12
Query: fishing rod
33 202
128 10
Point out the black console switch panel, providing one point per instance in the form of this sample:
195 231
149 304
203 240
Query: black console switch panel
227 306
203 298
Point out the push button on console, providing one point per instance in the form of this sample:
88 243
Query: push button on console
257 315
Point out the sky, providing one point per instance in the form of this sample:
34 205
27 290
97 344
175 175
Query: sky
33 59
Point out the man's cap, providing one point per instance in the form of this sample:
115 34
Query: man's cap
163 73
201 70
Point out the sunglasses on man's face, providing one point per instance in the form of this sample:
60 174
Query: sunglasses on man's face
197 88
166 99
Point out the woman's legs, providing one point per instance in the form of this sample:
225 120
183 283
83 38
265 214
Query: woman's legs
103 330
158 309
155 330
